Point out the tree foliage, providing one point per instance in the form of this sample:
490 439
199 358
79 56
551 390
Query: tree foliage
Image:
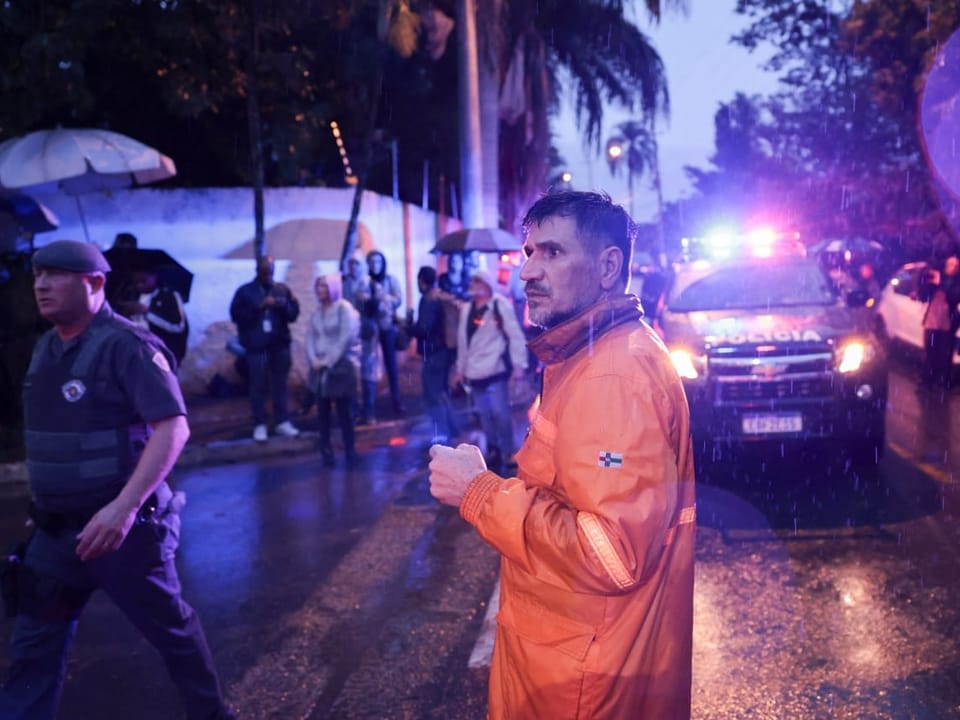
836 152
176 73
587 48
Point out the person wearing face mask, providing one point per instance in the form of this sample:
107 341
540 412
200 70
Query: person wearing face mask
385 295
596 530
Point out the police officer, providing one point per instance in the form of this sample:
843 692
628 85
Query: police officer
105 422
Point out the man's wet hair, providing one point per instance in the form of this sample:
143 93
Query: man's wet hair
600 222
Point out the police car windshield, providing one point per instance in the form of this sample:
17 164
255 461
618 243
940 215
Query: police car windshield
761 285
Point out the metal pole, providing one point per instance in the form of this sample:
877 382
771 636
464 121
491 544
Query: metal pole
471 148
393 158
425 194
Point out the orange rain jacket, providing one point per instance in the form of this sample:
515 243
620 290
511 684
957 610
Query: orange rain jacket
597 531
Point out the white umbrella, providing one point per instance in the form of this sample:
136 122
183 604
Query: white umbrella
78 161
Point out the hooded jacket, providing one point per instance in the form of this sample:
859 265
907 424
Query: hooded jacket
596 532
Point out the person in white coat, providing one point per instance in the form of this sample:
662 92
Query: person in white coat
333 348
490 349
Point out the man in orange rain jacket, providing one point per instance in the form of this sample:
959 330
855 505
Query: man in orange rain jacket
596 532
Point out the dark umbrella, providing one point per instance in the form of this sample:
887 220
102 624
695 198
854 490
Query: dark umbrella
171 273
857 245
20 213
479 239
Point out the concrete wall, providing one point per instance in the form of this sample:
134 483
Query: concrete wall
202 227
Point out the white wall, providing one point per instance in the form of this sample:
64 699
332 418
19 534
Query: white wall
199 227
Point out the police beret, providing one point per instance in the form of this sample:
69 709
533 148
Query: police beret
72 256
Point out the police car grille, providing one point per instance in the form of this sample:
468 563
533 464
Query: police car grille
804 388
749 363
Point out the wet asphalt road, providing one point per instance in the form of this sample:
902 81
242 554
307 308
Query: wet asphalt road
823 591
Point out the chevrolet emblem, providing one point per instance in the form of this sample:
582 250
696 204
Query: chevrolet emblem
769 371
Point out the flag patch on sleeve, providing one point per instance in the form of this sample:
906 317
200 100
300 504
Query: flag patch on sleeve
610 459
160 361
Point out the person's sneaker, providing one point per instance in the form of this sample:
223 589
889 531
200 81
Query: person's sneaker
260 433
287 429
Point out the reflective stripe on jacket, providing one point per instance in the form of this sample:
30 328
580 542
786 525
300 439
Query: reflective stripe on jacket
596 532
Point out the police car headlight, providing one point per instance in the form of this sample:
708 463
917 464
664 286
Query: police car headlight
684 363
854 355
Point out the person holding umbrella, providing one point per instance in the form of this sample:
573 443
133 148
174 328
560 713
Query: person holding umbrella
121 288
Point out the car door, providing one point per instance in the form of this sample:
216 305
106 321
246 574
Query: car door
902 311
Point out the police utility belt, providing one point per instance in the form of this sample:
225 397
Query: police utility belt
55 523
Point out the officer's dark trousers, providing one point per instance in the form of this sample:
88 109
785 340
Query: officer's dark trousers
436 393
269 367
140 577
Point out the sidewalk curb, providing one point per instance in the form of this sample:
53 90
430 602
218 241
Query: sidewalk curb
246 449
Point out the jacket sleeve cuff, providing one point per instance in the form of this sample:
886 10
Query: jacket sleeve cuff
480 488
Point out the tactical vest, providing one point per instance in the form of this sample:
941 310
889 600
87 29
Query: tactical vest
80 448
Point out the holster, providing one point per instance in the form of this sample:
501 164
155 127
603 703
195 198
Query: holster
55 523
25 592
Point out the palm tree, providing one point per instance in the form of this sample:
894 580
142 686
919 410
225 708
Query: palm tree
587 47
601 56
634 148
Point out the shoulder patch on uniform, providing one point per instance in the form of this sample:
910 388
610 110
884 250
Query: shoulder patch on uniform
610 459
160 360
73 390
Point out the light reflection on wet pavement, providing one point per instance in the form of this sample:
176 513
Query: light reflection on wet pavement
822 590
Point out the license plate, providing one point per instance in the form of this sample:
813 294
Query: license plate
769 424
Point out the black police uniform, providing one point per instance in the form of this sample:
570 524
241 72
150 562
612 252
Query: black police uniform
88 402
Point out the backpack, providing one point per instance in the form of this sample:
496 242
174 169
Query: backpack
498 318
451 319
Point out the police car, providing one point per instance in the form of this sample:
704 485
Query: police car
769 351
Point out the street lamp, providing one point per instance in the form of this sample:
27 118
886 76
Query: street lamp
561 181
637 144
616 148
